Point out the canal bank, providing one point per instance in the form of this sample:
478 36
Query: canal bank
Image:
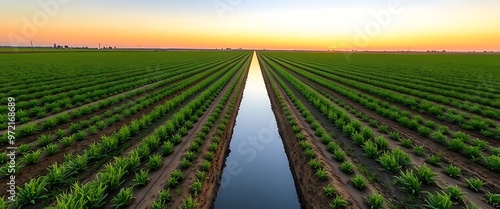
257 172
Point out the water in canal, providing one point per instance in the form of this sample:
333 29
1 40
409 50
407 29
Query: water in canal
257 174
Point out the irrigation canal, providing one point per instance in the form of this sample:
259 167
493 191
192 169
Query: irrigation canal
257 173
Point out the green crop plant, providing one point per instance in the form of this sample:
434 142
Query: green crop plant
332 147
32 157
143 151
167 148
438 201
123 198
155 162
348 129
109 143
419 150
185 163
339 203
456 144
73 128
300 136
172 182
325 139
49 123
371 149
206 165
44 140
201 175
402 157
80 135
425 174
67 141
315 164
60 133
474 184
27 129
190 156
322 174
305 145
58 174
24 148
367 133
405 142
394 135
347 167
310 154
33 191
472 152
456 195
453 171
389 162
409 182
424 131
329 190
141 178
92 130
482 145
209 156
213 147
383 129
359 182
339 155
493 199
176 139
358 138
375 201
152 141
196 186
165 195
112 176
3 157
381 142
189 203
493 162
434 160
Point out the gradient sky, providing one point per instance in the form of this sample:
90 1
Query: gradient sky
271 24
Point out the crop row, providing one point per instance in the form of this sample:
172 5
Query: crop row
486 126
416 124
52 122
375 147
412 86
56 103
110 142
205 169
111 177
78 134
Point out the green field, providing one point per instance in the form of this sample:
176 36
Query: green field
101 129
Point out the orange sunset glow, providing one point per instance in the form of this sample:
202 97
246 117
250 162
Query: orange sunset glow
318 25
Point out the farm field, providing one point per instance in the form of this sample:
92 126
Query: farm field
390 130
111 129
144 129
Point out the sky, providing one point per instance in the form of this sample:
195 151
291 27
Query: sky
457 25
